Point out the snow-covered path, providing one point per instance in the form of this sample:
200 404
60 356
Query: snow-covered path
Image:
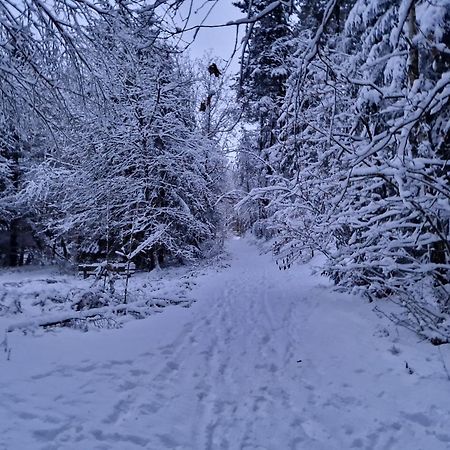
224 374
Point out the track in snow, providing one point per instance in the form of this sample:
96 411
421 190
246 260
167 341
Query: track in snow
224 375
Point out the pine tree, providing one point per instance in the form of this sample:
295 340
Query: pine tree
363 155
261 89
396 239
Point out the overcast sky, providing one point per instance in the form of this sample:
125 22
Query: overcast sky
219 41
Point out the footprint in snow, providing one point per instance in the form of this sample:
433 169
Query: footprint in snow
419 418
315 431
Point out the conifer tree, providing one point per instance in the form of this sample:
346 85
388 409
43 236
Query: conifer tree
262 88
363 155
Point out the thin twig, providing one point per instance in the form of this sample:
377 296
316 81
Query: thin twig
443 364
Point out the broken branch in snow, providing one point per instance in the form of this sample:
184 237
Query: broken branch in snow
141 309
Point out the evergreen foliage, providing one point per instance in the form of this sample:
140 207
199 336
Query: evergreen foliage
261 91
110 140
362 155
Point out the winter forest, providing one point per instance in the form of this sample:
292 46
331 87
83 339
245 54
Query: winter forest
285 207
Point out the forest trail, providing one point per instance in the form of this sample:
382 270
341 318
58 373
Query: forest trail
265 359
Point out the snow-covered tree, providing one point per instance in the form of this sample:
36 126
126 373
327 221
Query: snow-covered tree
261 87
363 154
133 169
396 239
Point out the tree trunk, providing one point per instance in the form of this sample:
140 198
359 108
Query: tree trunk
13 257
413 57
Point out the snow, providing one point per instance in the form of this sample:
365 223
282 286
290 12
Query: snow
431 17
264 359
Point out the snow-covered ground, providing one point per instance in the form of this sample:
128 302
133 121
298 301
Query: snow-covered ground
264 359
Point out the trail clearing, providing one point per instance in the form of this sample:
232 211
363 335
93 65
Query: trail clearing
264 359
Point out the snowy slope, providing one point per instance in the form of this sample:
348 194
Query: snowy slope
224 374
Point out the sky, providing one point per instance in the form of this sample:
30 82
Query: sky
218 42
